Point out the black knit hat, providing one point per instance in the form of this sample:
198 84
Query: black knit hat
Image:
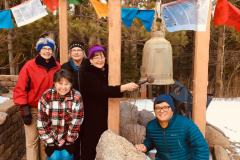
76 44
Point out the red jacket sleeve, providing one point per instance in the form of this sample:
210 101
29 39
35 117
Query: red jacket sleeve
20 90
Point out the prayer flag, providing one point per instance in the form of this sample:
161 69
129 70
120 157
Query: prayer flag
6 19
128 14
227 14
52 5
28 12
186 15
100 8
75 1
145 16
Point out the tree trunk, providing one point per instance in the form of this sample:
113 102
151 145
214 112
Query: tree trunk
10 47
133 54
220 63
10 52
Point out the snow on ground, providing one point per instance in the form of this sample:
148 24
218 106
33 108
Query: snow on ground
143 104
3 99
225 114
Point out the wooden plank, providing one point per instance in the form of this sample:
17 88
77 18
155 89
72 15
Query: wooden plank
63 31
114 59
200 78
143 91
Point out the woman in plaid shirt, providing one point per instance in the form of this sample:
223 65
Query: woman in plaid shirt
60 114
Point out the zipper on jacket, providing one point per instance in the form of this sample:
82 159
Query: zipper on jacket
165 143
164 137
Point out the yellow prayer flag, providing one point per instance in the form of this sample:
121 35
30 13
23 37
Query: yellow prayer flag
100 8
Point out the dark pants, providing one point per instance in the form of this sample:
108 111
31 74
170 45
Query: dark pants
77 153
89 141
91 131
88 147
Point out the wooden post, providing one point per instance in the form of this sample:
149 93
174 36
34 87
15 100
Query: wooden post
200 78
63 31
143 91
114 59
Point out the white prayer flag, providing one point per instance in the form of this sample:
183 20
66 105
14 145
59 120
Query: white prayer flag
28 12
186 15
202 14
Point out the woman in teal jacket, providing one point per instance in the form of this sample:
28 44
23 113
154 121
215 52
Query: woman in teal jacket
175 137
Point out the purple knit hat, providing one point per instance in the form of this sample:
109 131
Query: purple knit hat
95 48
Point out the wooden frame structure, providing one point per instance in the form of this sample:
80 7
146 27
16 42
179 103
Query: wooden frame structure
200 79
114 57
63 29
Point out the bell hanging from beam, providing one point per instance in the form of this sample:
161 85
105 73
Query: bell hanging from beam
157 59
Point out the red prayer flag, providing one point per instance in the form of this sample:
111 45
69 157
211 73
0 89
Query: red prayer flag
52 5
227 14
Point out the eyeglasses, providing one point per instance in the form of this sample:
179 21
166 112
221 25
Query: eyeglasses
164 108
47 49
98 58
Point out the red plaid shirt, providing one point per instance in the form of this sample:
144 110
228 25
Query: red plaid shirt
59 119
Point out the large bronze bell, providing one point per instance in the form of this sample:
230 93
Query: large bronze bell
157 60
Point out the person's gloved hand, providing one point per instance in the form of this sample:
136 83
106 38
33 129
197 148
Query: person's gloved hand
50 149
26 114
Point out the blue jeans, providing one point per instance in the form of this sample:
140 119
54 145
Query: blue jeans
60 155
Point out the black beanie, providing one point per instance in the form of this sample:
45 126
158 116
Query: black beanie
76 44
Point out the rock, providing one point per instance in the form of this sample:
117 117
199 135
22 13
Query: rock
215 137
134 133
128 114
220 153
114 147
144 117
3 117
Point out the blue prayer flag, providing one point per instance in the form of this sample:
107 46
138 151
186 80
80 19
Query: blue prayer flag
128 14
6 19
145 16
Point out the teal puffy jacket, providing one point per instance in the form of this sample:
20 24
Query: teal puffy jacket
181 140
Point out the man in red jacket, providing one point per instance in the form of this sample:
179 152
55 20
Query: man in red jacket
35 77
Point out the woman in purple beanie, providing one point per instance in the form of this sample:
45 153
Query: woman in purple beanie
95 93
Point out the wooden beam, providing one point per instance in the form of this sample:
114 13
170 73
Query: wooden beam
114 58
200 78
63 31
143 91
